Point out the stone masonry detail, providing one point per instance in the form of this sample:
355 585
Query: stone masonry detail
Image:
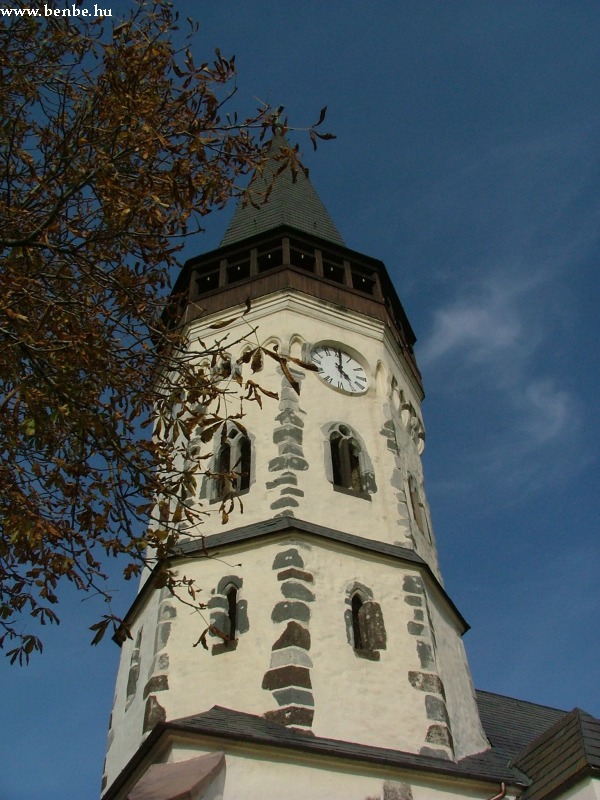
288 677
390 434
158 680
290 460
394 790
427 680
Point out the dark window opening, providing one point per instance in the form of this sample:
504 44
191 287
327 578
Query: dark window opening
363 282
206 281
245 464
238 271
345 460
415 502
333 268
366 629
233 464
302 258
232 612
224 486
357 604
269 259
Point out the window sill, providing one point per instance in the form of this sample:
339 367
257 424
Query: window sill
229 497
224 647
370 655
352 492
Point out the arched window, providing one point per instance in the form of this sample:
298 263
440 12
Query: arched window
347 463
232 597
228 614
415 502
357 622
233 463
364 623
345 459
245 450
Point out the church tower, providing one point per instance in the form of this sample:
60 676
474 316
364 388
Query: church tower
344 672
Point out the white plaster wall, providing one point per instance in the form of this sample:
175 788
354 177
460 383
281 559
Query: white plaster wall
355 699
453 668
254 774
586 789
297 318
127 721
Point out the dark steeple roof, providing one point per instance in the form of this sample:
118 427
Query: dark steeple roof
292 203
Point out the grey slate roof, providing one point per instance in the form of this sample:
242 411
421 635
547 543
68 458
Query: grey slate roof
510 724
240 726
292 203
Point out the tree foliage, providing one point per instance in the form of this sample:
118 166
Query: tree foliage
114 144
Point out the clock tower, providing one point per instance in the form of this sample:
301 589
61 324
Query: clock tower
343 665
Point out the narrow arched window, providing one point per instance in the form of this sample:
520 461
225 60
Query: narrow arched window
232 597
245 463
233 463
364 623
415 502
224 485
134 669
345 459
357 632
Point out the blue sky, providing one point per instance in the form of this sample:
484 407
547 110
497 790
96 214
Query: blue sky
467 159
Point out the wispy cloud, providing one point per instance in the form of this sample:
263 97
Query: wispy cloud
505 308
487 350
548 411
482 324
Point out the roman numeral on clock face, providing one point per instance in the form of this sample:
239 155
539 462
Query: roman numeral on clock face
339 369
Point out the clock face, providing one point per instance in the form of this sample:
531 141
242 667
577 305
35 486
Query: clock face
339 369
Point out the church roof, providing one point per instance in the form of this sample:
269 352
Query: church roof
292 201
224 723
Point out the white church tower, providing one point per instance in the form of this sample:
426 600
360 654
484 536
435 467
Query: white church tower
344 675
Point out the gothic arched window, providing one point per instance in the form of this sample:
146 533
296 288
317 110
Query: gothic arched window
232 463
347 462
415 502
232 598
357 621
228 614
364 623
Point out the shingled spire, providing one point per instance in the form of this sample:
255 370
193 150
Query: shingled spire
294 203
